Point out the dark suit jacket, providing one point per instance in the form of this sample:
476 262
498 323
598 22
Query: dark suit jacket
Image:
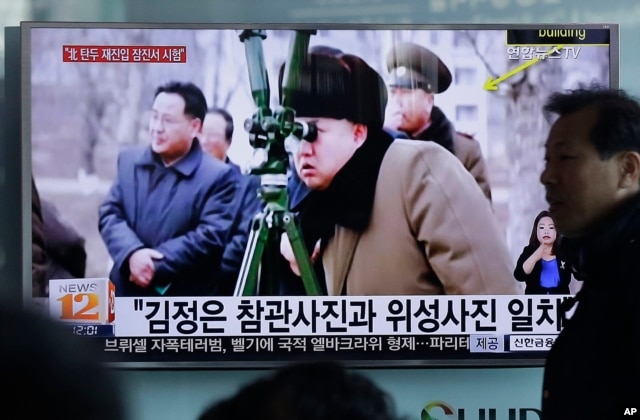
63 244
247 204
593 368
39 260
190 226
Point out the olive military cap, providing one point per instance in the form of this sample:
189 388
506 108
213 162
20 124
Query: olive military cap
415 67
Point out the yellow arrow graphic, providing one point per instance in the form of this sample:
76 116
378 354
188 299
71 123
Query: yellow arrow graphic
492 84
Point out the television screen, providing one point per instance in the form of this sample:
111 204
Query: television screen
233 195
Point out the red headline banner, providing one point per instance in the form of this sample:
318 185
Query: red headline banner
124 54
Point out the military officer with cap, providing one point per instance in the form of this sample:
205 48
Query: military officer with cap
416 74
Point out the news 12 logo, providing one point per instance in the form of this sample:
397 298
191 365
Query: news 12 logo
440 410
82 301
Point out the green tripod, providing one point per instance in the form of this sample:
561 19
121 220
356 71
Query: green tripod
259 273
260 270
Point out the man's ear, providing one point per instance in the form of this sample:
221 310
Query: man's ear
629 170
196 126
360 132
430 97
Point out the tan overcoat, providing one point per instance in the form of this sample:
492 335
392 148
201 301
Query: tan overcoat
468 150
432 231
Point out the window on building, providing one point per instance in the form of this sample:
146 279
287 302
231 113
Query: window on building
465 76
466 113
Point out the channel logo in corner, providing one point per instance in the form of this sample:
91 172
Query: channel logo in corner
441 407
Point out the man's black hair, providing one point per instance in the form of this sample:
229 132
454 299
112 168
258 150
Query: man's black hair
48 372
195 103
228 129
617 127
307 391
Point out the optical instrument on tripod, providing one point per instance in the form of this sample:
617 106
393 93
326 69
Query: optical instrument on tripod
260 270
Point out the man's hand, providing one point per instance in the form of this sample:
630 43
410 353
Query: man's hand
287 253
142 266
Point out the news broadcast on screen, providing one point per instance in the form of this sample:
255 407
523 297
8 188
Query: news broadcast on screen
224 195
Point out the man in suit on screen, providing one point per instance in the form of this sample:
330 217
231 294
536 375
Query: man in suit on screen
167 217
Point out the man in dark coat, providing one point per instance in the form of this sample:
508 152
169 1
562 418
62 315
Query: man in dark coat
592 182
57 248
167 217
216 137
65 247
39 260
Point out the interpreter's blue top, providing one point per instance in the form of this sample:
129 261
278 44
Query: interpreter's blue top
550 276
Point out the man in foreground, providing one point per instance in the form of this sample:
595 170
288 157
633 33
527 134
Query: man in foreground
592 182
306 390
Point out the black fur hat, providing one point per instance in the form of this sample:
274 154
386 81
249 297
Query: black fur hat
335 86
